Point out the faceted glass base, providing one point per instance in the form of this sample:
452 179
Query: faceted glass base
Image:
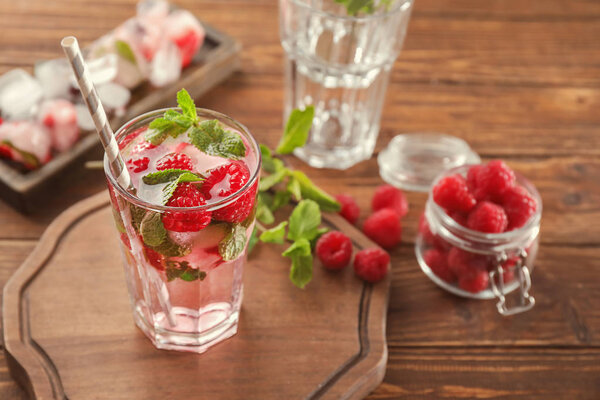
220 317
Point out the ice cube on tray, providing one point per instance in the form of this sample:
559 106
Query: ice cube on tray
20 94
60 119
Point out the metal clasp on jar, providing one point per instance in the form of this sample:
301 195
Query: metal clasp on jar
525 300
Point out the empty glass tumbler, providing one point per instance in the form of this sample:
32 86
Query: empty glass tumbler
339 61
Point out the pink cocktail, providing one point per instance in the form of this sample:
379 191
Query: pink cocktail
185 228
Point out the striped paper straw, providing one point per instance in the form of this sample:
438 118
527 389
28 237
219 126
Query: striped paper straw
92 101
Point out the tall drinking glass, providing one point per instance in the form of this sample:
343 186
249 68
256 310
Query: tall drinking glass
184 260
340 64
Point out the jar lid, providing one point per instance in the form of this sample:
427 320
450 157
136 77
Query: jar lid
412 161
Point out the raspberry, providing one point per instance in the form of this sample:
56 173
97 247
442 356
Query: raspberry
487 217
154 258
429 237
224 181
519 207
174 161
383 227
493 179
472 176
186 195
460 218
438 262
452 194
371 265
350 210
138 164
334 249
387 196
475 281
129 138
461 262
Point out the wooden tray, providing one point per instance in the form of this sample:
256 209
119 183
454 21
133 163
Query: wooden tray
216 60
68 330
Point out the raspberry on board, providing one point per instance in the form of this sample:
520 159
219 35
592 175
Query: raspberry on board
334 249
388 196
493 180
350 210
487 217
175 161
371 265
226 180
519 206
186 195
452 194
437 260
383 227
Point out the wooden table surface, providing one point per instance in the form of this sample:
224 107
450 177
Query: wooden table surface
519 80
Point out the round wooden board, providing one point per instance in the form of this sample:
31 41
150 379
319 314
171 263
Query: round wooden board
68 331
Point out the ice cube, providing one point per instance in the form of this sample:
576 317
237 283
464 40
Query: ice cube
153 10
183 29
20 94
60 119
166 64
54 76
84 119
113 95
102 69
30 139
144 37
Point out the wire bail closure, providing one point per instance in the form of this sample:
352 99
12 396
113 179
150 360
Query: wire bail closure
526 301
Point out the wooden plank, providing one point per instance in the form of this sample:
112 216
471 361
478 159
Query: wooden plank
491 373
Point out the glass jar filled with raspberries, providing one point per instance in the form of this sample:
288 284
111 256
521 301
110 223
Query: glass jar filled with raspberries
478 236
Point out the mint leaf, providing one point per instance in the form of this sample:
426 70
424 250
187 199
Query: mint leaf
169 175
296 130
301 271
137 215
293 188
310 191
28 158
267 160
168 248
183 271
124 50
320 232
152 229
186 103
233 244
302 262
210 137
300 247
269 181
304 221
353 7
253 240
281 199
118 221
274 235
263 212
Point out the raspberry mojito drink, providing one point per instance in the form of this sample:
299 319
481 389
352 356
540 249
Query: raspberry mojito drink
185 226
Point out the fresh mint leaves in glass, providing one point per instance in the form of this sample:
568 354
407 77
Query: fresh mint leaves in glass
184 232
339 55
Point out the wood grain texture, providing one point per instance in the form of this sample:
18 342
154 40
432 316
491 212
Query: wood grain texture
517 79
69 332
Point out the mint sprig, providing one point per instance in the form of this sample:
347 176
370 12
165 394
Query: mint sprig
210 137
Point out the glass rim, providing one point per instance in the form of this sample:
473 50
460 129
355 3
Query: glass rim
367 17
209 207
530 228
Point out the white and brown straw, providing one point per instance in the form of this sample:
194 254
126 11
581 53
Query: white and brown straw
92 101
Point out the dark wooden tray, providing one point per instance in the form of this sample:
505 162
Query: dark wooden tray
216 60
68 331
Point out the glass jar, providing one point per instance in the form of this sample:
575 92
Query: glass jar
508 257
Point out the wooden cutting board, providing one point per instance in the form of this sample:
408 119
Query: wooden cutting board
68 330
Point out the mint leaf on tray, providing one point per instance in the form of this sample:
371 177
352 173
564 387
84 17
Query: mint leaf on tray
296 130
